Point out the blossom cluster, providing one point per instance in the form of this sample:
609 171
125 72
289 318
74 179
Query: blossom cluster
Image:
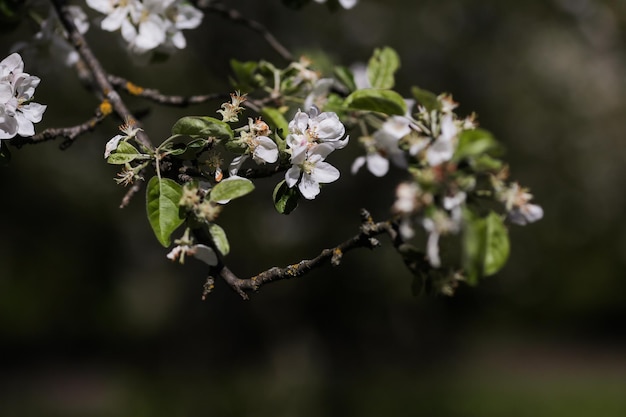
148 24
17 89
427 144
312 137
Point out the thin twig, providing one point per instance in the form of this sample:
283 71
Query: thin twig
160 98
237 17
94 66
69 133
365 239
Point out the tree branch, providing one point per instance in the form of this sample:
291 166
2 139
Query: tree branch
69 133
160 98
94 66
365 239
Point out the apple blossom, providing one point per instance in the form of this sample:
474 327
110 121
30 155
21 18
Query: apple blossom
17 89
309 129
309 170
384 146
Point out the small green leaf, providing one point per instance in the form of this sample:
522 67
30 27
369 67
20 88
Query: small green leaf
219 238
475 142
426 99
497 247
383 101
285 198
230 188
5 154
382 67
203 127
162 198
245 79
345 76
124 153
486 245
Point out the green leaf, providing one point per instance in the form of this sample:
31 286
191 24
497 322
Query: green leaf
345 76
382 67
426 99
383 101
497 247
219 238
475 142
245 79
162 198
279 125
5 154
124 153
203 127
486 245
285 198
231 188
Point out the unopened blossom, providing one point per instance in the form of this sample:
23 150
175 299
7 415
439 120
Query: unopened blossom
17 89
307 130
309 170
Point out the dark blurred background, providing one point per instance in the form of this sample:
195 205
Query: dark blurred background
95 321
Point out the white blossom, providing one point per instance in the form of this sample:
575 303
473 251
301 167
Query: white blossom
383 146
309 170
307 130
442 149
148 24
17 89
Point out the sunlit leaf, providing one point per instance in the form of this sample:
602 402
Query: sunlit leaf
162 198
382 67
202 127
486 245
219 238
426 99
124 153
383 101
230 188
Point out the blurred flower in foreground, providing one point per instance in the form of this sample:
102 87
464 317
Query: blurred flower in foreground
17 89
148 24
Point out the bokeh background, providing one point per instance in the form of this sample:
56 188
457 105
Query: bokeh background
95 321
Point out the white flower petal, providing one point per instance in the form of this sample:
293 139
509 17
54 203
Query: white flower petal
357 164
292 176
33 111
377 164
8 124
309 188
25 126
112 145
205 254
324 173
